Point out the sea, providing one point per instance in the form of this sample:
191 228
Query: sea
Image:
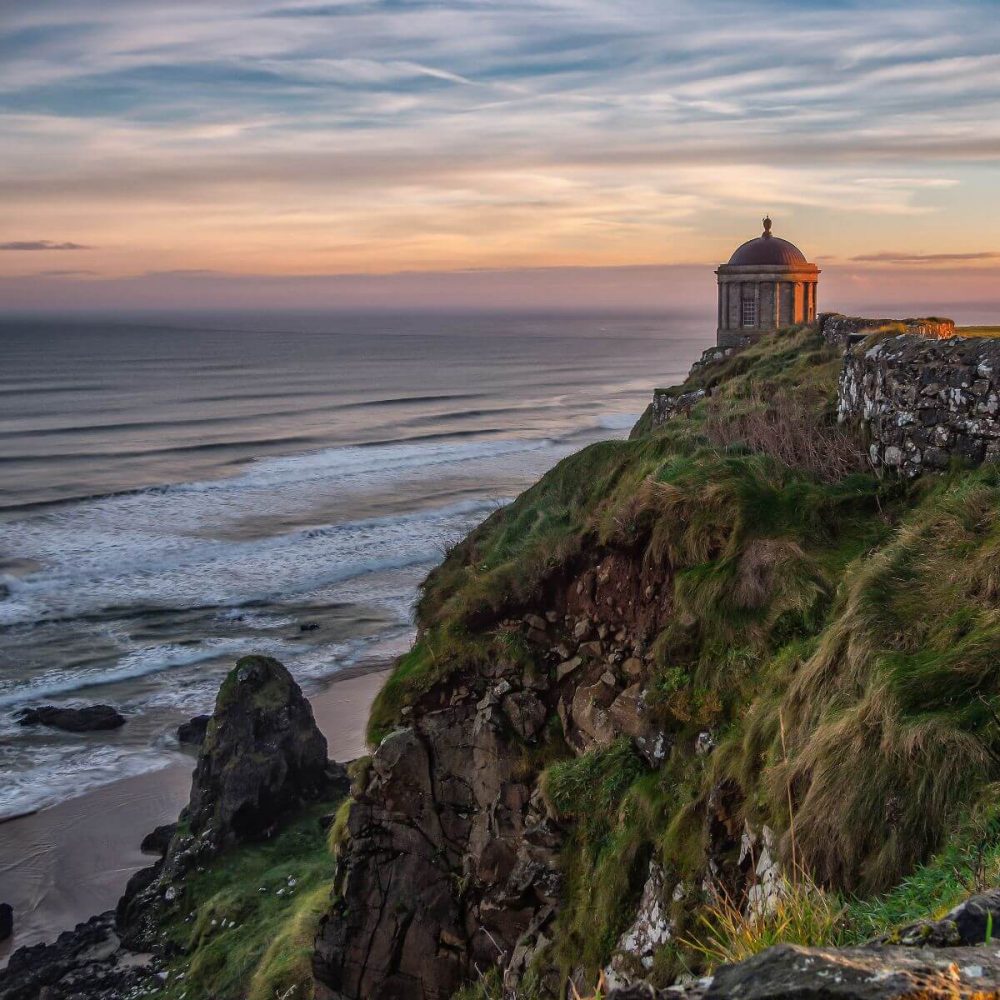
177 491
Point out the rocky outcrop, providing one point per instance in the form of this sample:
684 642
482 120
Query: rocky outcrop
86 962
925 402
6 921
263 756
648 932
669 403
789 972
451 865
971 922
91 718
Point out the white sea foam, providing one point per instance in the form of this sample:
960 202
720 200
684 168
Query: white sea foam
224 548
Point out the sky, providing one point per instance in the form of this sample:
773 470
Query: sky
496 153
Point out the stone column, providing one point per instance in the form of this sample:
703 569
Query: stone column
777 304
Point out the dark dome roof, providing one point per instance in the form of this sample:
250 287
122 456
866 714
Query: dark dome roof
766 250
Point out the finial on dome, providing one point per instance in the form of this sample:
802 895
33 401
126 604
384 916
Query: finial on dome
767 226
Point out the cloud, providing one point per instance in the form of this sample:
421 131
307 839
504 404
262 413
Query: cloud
65 273
902 257
241 135
41 245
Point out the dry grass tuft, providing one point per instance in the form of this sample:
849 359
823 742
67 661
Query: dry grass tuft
788 427
730 930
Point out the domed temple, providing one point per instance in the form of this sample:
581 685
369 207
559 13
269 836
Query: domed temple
768 283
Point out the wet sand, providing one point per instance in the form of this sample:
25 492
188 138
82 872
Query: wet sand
65 863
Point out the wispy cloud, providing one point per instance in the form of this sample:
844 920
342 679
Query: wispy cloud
282 135
901 257
41 245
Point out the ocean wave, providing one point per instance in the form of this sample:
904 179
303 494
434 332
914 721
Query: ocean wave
58 774
140 663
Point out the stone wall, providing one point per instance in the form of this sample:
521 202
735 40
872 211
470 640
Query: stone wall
843 330
925 401
668 402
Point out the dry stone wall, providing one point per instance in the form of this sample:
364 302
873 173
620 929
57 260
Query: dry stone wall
924 401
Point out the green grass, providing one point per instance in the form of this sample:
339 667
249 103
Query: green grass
235 941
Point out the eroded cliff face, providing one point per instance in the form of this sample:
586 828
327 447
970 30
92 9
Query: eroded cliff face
452 864
636 686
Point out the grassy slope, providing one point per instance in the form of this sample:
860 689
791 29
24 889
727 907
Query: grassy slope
840 636
237 937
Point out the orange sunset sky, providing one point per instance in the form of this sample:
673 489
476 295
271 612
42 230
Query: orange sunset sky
564 153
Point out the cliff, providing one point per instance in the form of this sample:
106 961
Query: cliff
686 682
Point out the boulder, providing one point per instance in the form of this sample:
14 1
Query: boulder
158 841
971 922
89 719
6 921
192 733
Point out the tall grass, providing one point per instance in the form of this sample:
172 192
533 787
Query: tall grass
729 930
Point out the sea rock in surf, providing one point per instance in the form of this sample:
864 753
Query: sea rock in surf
6 921
263 755
91 718
192 733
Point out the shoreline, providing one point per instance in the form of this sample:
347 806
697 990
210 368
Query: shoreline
65 863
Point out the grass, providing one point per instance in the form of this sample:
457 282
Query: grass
818 616
237 942
728 931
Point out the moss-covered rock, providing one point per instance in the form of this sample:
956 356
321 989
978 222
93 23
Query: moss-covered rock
263 754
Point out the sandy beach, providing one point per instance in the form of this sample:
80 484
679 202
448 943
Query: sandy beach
63 864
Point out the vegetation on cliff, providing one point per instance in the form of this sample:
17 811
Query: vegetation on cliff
835 634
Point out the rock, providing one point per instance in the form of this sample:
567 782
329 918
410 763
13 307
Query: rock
633 668
791 972
6 921
192 733
91 718
81 964
439 876
536 622
581 630
309 626
158 841
649 931
967 924
566 668
591 724
263 754
788 971
526 713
